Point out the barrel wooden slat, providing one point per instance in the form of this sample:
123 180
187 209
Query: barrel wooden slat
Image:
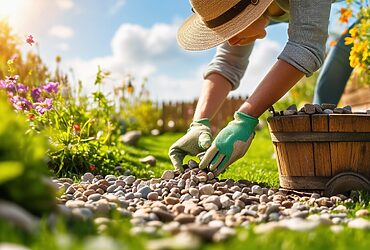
281 159
300 155
322 158
350 156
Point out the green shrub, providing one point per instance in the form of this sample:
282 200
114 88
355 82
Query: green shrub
23 168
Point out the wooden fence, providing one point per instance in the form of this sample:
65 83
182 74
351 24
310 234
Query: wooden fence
177 116
358 98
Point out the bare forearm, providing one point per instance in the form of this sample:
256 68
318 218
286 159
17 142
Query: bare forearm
214 92
276 83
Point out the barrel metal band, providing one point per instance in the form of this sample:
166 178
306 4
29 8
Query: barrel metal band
229 14
320 136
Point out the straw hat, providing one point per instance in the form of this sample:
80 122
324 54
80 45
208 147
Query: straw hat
216 21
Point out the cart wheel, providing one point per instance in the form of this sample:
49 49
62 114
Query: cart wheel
345 182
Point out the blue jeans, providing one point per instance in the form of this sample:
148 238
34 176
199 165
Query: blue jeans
334 73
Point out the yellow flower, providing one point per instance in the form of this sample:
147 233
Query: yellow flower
348 40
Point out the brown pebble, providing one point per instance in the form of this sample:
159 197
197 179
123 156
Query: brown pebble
185 218
171 200
153 196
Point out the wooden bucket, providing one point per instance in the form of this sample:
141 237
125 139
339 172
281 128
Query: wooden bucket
311 150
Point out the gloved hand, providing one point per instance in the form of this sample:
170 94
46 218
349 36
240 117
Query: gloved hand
230 144
196 140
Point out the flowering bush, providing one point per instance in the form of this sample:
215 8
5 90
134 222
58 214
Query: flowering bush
22 165
359 37
83 131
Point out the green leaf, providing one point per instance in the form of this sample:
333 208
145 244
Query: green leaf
10 170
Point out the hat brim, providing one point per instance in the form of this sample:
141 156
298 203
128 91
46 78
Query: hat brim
193 34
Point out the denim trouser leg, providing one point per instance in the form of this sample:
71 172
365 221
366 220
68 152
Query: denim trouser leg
334 74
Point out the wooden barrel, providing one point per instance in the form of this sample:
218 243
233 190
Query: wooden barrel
311 149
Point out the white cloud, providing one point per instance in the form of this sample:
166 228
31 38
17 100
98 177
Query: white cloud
118 4
173 74
63 46
263 57
61 31
65 4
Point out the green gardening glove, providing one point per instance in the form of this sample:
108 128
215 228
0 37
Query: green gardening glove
196 140
230 144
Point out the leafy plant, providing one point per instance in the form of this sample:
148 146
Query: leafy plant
23 168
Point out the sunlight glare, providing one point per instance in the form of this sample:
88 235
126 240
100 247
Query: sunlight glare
9 9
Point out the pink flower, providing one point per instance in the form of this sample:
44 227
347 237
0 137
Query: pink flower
20 103
30 40
51 87
44 106
2 84
35 94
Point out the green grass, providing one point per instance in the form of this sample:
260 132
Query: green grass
258 165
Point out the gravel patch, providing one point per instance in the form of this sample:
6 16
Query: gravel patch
197 203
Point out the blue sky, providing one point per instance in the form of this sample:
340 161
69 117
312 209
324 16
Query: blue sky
135 37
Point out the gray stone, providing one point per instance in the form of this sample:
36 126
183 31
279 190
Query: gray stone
328 106
298 224
144 191
362 213
192 164
206 189
153 196
289 112
87 177
75 204
129 180
214 200
129 196
264 198
338 111
194 192
185 218
272 209
256 189
347 109
309 109
163 215
225 202
131 138
150 159
204 231
359 223
168 175
112 188
328 111
18 216
94 197
210 206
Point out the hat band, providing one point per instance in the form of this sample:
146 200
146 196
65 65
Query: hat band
230 13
